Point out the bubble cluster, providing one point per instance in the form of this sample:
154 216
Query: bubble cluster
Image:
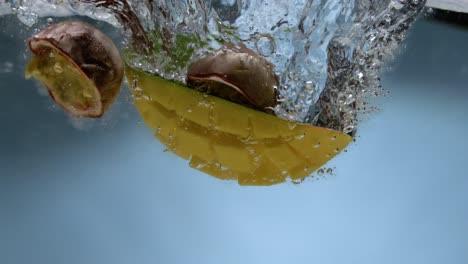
328 54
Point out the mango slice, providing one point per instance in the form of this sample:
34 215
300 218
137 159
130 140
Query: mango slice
227 140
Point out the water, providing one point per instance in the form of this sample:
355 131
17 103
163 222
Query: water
109 194
328 54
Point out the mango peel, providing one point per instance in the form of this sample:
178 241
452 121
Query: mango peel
227 140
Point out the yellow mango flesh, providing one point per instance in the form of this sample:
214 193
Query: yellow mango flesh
227 140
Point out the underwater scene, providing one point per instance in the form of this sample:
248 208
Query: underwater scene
229 131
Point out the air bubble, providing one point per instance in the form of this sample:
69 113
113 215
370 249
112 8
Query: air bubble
299 137
7 67
388 18
320 172
348 129
292 125
58 68
315 62
199 166
265 46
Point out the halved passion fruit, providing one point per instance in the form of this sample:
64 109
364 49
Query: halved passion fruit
228 140
237 74
79 65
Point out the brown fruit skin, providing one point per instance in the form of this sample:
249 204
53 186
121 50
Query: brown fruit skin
91 50
252 75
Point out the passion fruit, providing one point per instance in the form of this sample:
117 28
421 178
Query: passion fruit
79 65
237 74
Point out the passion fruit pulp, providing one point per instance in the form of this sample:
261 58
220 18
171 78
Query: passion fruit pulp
79 65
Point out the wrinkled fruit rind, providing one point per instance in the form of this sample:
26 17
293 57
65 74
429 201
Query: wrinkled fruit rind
238 75
91 51
227 140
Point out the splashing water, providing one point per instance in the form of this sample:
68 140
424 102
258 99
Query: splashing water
327 53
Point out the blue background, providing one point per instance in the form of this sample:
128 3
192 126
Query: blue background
105 192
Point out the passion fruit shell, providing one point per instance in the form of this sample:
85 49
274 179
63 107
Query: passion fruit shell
79 65
237 74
